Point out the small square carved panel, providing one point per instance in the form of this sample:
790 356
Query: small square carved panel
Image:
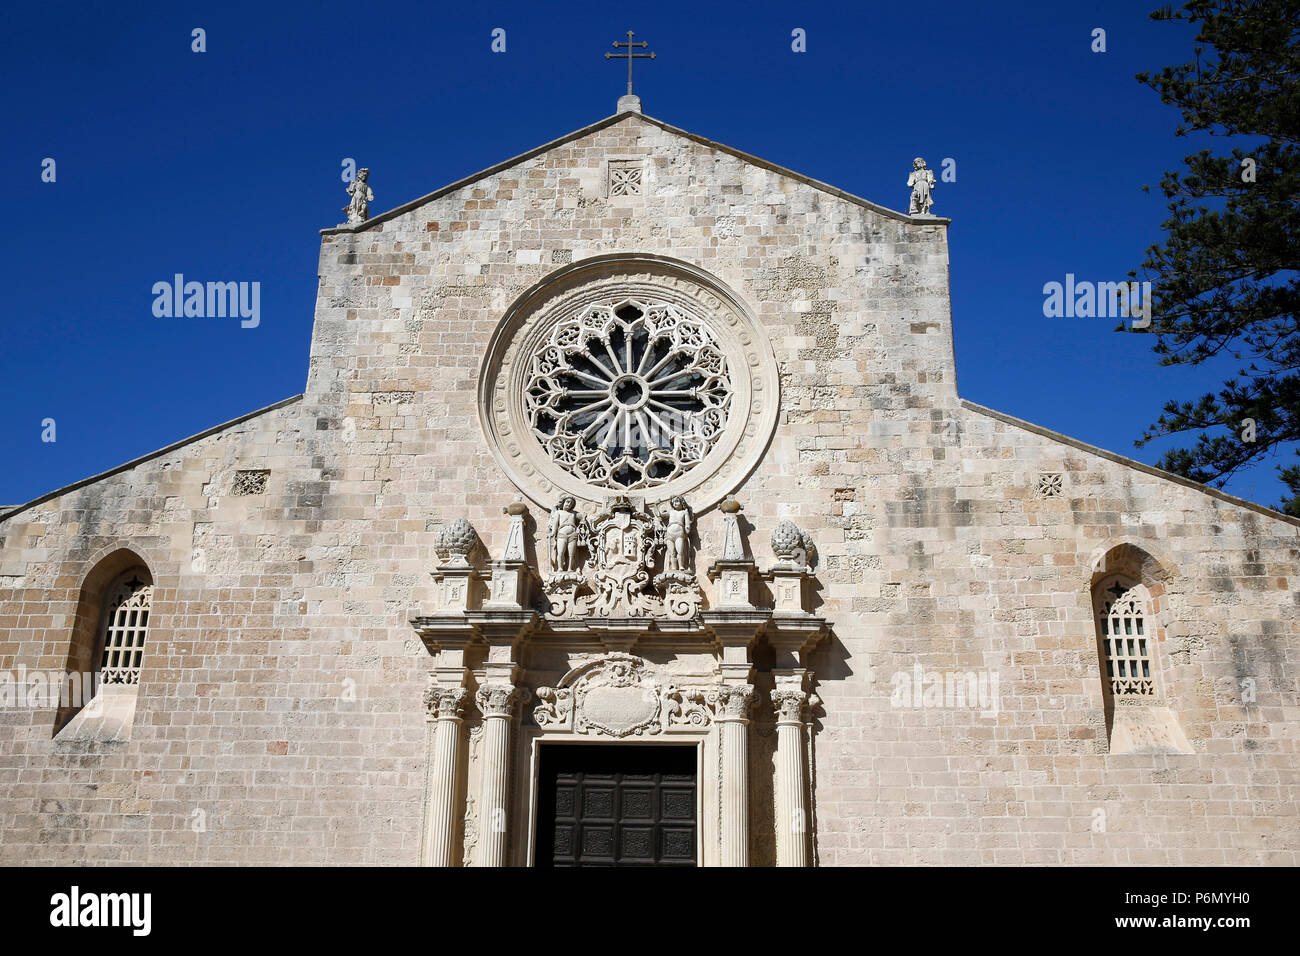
250 483
625 177
1050 484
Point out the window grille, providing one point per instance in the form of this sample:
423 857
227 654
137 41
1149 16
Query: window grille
126 623
1125 640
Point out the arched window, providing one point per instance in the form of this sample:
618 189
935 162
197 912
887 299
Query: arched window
106 653
123 629
1123 613
1129 601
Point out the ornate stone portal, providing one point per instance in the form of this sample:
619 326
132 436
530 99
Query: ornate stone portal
622 574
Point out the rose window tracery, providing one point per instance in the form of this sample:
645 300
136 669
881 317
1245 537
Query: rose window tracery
628 394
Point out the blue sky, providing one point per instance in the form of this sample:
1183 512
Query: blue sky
223 165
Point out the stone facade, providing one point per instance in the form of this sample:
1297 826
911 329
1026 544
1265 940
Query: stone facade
284 712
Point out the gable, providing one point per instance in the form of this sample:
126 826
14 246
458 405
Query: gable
587 136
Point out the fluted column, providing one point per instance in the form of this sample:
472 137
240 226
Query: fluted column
733 732
443 706
497 703
791 706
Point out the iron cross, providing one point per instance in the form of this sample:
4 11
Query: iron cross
630 56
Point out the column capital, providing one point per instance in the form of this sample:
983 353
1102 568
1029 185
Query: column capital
444 703
792 705
733 702
499 700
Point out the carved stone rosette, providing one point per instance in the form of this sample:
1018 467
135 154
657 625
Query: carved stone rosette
647 346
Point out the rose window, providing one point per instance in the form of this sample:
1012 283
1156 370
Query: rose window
628 394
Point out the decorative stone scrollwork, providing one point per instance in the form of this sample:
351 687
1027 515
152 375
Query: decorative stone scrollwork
471 830
566 594
619 698
623 550
691 707
556 707
444 703
682 599
621 695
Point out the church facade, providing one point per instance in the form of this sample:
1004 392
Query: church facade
631 516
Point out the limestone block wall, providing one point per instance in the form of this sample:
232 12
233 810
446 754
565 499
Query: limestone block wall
258 736
961 569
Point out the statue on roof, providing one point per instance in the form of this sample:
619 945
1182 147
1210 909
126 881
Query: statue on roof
921 182
358 209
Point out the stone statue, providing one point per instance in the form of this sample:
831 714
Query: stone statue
921 181
358 209
677 524
564 533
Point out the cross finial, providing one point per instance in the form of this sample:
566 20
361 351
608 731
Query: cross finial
629 55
